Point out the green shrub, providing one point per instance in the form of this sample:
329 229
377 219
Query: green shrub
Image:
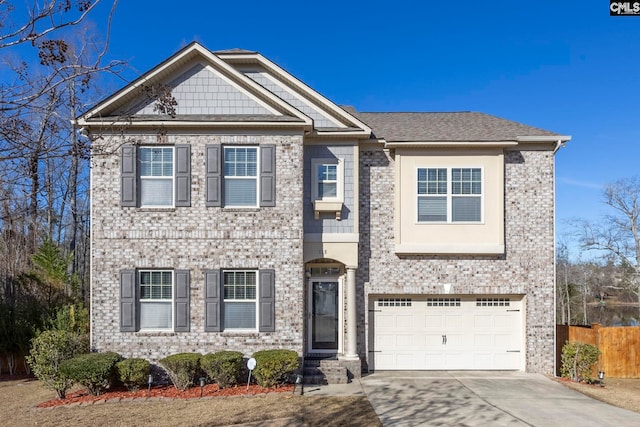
133 373
223 368
578 361
72 318
275 367
182 368
48 351
95 371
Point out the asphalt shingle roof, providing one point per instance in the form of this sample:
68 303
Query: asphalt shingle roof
456 126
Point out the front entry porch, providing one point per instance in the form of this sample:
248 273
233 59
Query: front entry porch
331 313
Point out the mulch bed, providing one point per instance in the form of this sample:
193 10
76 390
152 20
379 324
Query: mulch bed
82 397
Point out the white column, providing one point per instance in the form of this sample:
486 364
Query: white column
352 315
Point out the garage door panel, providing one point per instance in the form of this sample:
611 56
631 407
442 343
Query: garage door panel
433 321
483 321
433 361
386 322
404 321
448 333
483 340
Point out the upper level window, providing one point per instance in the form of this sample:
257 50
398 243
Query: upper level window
328 179
156 299
449 194
240 176
156 176
240 299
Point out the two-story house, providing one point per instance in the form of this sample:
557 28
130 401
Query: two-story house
261 215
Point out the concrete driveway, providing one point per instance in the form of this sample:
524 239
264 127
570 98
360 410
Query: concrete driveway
485 399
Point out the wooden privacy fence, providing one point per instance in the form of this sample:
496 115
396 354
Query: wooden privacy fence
619 347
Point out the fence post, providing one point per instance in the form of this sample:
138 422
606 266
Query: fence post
596 329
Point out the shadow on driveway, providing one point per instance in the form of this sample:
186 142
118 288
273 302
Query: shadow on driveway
470 398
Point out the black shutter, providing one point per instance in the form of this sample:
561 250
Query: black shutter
183 175
213 176
267 301
268 175
212 301
181 301
128 177
128 301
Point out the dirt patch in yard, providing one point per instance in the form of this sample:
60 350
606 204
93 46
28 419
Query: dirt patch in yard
620 392
20 399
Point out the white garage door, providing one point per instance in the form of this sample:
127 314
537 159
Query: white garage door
447 333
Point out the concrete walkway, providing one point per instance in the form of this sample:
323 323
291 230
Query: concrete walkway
427 398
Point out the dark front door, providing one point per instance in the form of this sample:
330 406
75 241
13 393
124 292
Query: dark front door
324 315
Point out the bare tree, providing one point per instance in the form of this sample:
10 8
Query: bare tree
618 234
563 286
43 24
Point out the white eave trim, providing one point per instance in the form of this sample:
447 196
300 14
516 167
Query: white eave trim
198 124
465 144
452 249
546 138
358 133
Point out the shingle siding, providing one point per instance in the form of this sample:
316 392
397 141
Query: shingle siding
201 91
327 222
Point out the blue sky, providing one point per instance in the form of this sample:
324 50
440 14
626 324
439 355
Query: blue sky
565 66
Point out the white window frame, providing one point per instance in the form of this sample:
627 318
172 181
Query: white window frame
315 164
155 177
450 196
256 300
256 178
141 301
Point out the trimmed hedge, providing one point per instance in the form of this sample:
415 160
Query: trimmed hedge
182 368
223 368
274 367
96 371
133 373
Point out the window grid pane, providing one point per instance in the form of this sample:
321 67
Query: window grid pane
239 285
432 181
156 285
240 161
156 161
466 181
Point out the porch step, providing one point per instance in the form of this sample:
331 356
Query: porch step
324 372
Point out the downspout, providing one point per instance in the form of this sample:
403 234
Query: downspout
559 144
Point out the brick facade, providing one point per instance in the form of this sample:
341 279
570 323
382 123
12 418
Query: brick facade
197 238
